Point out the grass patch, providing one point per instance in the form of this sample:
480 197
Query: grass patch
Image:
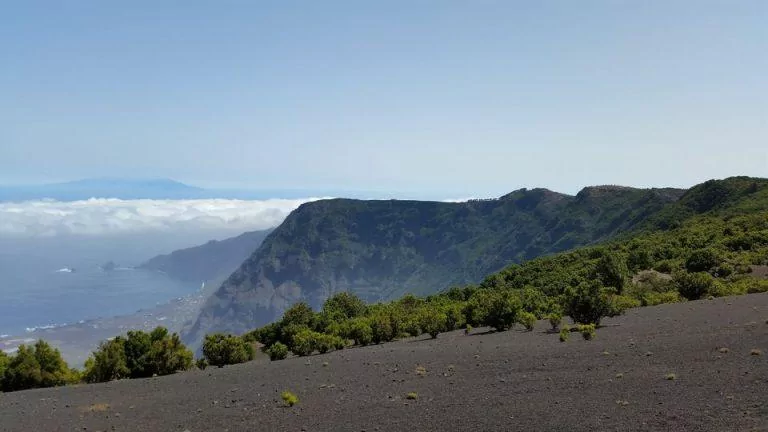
565 333
670 377
412 396
421 370
289 398
587 331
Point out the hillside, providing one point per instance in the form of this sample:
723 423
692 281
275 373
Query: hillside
383 249
210 261
514 380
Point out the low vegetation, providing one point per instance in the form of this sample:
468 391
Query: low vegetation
289 398
704 246
138 355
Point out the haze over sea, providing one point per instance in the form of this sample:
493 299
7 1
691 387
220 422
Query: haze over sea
52 253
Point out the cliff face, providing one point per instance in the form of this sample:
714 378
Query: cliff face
382 249
214 260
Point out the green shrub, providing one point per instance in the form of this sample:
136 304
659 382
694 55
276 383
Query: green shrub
412 396
381 328
527 319
497 309
693 286
565 333
108 362
201 364
289 398
304 342
555 319
587 303
432 321
344 304
36 366
618 304
657 298
612 270
587 331
468 329
277 351
4 359
702 260
225 349
360 331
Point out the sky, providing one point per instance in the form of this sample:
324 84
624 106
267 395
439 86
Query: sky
435 98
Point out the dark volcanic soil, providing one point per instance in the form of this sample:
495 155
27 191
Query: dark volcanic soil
498 381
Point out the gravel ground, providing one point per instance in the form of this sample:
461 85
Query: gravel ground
513 380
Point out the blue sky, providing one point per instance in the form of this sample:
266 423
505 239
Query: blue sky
437 98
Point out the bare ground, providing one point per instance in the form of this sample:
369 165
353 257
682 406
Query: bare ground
513 380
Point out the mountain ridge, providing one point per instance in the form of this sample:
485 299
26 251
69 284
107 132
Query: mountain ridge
382 249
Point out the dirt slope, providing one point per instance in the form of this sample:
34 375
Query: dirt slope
500 381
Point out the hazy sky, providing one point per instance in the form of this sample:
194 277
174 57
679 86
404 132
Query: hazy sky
452 98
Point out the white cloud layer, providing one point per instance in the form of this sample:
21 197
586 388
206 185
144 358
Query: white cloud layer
48 218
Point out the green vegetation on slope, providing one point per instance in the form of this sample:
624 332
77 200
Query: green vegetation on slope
380 250
711 252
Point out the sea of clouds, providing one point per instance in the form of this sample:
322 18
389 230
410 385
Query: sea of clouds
47 218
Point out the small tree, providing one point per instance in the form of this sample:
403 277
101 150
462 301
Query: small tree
108 362
702 260
220 350
527 319
693 286
277 351
40 365
304 342
360 331
612 270
496 308
432 321
344 304
587 303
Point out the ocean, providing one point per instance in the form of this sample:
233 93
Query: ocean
59 280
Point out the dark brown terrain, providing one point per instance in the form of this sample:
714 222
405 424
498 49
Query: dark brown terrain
514 380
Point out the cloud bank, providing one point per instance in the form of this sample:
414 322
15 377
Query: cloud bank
49 218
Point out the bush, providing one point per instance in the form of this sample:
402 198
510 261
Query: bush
618 304
139 355
587 303
381 328
527 319
4 359
555 319
201 363
220 350
107 363
278 351
36 366
702 260
693 286
325 342
344 304
587 331
289 398
360 331
497 309
612 270
432 321
304 342
468 329
565 333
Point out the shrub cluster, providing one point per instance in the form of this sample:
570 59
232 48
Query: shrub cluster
138 355
36 366
224 349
